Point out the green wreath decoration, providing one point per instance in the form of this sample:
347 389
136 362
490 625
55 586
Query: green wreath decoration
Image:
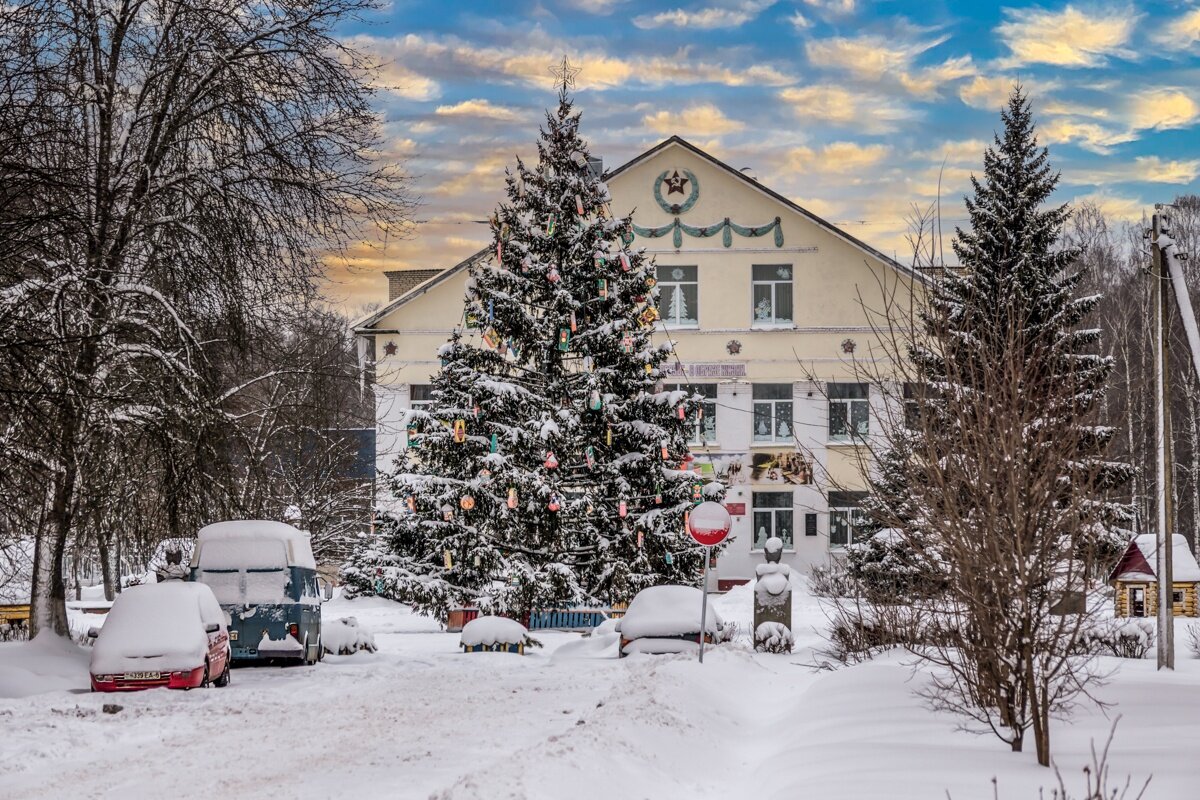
687 204
726 228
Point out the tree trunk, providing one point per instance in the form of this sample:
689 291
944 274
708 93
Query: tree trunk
106 565
49 597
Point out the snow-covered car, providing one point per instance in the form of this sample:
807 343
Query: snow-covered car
666 619
169 634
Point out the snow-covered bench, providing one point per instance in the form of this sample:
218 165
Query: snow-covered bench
568 619
496 635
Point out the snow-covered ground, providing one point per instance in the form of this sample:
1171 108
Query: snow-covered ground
420 719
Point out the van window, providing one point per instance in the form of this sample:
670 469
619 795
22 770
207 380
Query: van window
226 584
266 586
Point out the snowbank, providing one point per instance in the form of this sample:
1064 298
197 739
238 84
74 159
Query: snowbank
156 627
48 663
345 636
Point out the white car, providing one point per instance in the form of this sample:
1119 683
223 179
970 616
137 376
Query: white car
666 619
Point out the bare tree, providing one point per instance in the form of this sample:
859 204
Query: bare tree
183 167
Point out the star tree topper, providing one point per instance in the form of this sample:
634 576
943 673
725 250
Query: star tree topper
564 74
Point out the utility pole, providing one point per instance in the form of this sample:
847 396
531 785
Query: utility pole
1160 280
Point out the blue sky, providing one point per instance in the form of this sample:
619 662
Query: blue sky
848 107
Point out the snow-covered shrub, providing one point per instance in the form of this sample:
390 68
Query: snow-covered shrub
344 636
832 581
1123 638
1194 638
886 569
773 637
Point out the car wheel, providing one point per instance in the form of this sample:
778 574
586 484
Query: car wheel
204 680
320 649
223 679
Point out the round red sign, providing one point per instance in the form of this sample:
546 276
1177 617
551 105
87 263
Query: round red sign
709 523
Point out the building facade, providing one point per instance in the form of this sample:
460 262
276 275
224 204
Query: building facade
765 302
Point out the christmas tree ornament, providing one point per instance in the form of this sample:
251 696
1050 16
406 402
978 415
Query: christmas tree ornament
627 343
682 414
447 513
499 253
641 539
627 236
411 502
594 403
564 339
550 223
466 502
551 461
505 231
697 492
579 205
624 258
589 364
477 559
579 159
472 320
553 275
668 559
590 508
658 495
485 474
589 456
602 287
447 559
475 410
491 338
608 436
512 497
491 310
664 449
651 281
494 444
622 509
553 505
649 368
574 326
460 431
648 316
599 260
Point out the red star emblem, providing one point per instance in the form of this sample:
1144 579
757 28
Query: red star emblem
675 183
389 349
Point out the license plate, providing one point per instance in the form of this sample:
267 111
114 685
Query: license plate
233 636
142 676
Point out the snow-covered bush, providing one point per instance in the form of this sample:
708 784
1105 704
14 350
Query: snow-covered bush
773 637
832 581
1194 638
1123 638
885 568
345 636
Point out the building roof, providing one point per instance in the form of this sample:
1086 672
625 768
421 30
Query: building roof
366 323
1140 561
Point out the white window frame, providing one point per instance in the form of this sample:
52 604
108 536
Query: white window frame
788 547
416 405
696 437
774 321
849 403
855 519
670 284
775 438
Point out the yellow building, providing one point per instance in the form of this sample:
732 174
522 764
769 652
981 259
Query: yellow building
765 303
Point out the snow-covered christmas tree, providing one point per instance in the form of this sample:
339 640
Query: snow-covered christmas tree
552 468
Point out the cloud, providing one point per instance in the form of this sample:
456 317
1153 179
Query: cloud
1067 38
1163 108
477 108
1113 206
601 7
698 120
705 18
403 82
1089 135
965 151
833 6
1143 169
526 61
878 58
871 113
836 158
1180 33
799 21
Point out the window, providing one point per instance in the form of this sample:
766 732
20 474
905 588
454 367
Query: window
773 517
913 397
847 523
849 411
1176 597
772 412
421 396
678 295
772 294
705 423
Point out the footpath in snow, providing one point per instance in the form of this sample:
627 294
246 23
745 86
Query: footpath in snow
420 719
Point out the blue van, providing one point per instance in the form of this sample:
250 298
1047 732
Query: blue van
265 579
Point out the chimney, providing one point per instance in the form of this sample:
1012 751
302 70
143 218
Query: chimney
402 281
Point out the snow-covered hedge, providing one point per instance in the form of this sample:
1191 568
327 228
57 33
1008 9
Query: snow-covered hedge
773 637
345 636
1123 638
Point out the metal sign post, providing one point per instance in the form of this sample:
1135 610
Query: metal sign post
708 524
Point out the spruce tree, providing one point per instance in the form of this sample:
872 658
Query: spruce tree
552 469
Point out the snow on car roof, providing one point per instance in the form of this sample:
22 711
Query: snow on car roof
258 530
156 626
667 611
